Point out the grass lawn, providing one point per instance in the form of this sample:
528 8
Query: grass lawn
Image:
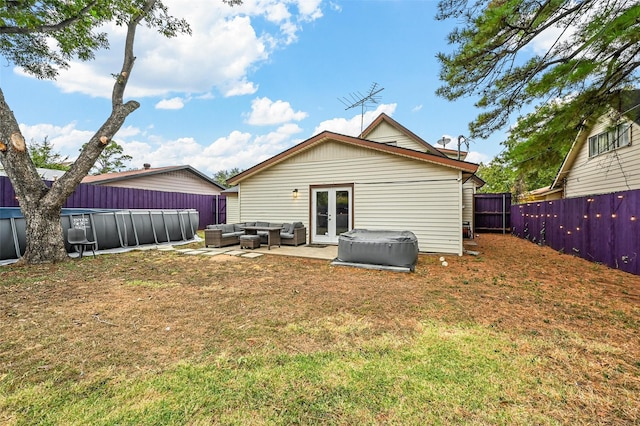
518 335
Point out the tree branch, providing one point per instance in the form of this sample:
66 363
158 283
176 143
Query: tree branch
65 186
49 28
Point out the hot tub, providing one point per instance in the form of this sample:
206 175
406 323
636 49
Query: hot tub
394 249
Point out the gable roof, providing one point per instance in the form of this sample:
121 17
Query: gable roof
45 174
134 174
399 127
326 136
626 103
452 153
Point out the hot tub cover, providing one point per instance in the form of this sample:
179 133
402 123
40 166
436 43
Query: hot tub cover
379 247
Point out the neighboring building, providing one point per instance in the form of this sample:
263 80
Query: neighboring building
606 157
183 179
232 205
333 183
45 174
541 194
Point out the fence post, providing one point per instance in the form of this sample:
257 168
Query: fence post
504 213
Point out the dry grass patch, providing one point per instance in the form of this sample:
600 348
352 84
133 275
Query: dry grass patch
518 335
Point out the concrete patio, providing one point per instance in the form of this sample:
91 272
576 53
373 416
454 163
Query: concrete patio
328 252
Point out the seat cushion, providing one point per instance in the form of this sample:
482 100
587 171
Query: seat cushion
287 228
286 235
262 223
214 226
298 225
227 228
249 237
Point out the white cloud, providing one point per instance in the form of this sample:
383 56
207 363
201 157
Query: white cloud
477 157
226 45
66 140
555 36
159 152
237 149
238 88
277 13
280 136
266 112
173 103
546 39
351 127
127 132
416 108
309 9
228 145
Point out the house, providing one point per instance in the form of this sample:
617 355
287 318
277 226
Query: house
605 157
45 174
385 129
184 179
545 193
389 178
233 212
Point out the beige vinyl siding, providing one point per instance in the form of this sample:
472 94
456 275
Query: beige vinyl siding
617 170
176 181
390 192
233 208
386 133
468 191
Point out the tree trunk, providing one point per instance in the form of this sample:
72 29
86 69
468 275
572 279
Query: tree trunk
41 205
45 238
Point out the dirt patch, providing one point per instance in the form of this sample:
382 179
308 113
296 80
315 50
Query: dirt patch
144 311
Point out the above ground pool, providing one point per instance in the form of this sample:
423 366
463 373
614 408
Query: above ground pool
109 228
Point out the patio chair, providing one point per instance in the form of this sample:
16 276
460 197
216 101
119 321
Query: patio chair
77 237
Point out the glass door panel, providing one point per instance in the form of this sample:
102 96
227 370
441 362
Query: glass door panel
342 212
322 213
331 213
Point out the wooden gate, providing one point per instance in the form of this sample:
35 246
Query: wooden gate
492 212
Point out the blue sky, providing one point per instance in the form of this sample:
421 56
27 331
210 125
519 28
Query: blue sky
254 80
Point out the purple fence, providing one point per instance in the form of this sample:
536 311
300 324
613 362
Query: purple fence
600 228
492 212
211 208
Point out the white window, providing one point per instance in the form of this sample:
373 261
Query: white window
607 141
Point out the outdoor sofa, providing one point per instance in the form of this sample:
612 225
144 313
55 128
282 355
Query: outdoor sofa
292 234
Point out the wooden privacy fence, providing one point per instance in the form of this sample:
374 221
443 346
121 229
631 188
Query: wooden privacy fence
211 208
492 212
600 228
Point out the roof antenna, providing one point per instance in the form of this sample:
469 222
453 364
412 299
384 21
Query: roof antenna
363 100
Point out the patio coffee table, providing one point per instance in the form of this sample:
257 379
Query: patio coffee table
273 237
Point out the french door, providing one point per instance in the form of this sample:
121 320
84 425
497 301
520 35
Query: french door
331 213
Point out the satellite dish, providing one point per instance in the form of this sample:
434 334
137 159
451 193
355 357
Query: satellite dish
444 141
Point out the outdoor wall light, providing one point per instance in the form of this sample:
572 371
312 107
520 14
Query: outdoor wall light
295 193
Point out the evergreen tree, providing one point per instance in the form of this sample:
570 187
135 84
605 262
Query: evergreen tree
44 156
594 54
